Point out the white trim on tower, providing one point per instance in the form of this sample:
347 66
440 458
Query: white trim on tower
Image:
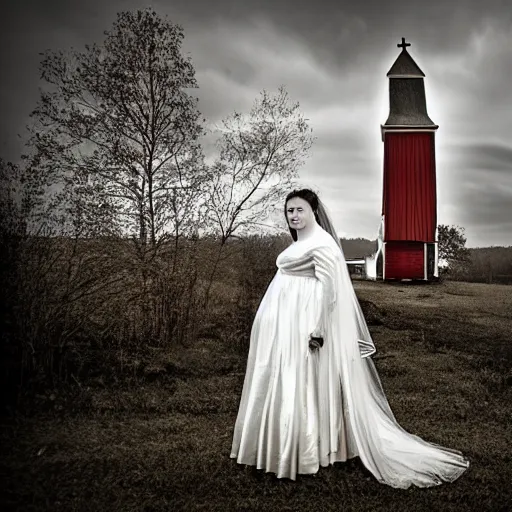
425 262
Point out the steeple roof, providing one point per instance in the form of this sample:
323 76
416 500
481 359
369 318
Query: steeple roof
407 103
404 66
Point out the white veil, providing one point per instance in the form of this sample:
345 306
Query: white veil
350 301
394 456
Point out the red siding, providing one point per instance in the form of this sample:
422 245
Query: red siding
409 195
404 260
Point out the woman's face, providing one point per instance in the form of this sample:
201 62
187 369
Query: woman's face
298 213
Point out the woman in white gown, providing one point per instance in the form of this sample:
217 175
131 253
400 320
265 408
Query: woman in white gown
311 394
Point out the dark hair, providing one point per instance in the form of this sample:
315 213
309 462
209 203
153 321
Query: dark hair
309 196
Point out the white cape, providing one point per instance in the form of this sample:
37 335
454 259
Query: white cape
301 409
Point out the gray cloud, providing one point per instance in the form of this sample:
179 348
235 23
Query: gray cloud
490 157
333 58
481 188
485 206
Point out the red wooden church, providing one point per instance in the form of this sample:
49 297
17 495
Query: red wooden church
408 248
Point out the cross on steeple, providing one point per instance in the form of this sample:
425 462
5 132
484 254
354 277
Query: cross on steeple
403 45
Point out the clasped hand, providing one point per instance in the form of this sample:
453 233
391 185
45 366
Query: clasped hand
315 342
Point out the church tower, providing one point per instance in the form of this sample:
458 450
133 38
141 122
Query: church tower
409 204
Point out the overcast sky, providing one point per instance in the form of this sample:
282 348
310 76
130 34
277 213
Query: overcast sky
332 57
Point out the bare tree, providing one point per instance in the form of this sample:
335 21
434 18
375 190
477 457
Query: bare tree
259 156
114 151
117 129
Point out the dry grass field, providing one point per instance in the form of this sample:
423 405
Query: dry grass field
163 441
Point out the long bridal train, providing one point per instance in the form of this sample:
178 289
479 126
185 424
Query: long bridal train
302 409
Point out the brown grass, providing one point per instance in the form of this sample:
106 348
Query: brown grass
163 442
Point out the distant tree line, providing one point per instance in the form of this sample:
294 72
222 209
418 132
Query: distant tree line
358 247
485 265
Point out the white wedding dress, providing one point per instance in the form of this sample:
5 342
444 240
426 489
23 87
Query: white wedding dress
301 409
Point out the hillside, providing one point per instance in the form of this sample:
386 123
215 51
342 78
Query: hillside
358 247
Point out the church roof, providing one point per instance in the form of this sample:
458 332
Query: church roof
405 66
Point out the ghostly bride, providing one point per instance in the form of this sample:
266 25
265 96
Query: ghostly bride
311 394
